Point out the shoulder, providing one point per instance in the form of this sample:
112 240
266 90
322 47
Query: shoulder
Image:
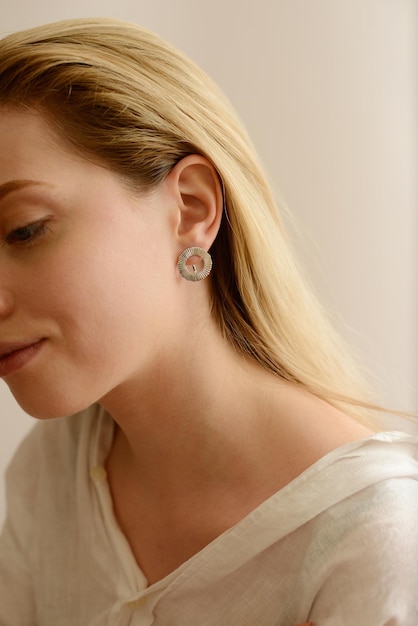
361 474
375 477
361 492
363 560
368 572
308 429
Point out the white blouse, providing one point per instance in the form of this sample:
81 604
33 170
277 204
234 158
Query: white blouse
338 546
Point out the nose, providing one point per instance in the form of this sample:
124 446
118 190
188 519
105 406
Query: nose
6 302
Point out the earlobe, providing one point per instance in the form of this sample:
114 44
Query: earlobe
200 201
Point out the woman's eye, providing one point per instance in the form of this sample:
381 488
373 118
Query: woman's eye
26 234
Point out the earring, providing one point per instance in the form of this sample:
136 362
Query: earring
195 274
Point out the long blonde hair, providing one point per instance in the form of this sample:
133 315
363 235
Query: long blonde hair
121 96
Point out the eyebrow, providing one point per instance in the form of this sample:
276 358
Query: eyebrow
16 185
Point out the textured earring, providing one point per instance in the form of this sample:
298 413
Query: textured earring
195 274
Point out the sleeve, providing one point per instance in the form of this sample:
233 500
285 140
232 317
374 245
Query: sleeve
17 603
373 577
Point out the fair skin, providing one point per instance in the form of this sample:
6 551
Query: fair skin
203 435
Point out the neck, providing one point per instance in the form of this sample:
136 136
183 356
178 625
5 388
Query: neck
206 420
194 421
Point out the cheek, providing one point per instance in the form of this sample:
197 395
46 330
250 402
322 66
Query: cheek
104 291
107 315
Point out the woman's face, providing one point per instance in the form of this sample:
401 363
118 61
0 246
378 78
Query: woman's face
86 271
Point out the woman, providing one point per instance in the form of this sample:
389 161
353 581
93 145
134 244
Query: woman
216 460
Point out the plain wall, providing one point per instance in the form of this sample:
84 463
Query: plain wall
328 92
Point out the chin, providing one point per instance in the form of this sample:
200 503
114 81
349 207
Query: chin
50 406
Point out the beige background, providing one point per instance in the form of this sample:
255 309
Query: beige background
328 91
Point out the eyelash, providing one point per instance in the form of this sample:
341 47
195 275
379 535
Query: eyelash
26 235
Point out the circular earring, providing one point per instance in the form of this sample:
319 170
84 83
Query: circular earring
195 274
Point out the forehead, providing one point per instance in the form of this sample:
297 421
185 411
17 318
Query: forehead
24 137
30 148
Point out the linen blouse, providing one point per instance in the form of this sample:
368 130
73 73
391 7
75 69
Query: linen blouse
338 546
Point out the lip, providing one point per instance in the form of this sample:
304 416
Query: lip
15 356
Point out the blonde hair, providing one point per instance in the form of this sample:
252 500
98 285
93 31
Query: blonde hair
123 97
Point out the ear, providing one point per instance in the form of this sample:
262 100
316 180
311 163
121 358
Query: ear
196 186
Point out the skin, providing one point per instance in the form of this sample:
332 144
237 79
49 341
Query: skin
203 435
